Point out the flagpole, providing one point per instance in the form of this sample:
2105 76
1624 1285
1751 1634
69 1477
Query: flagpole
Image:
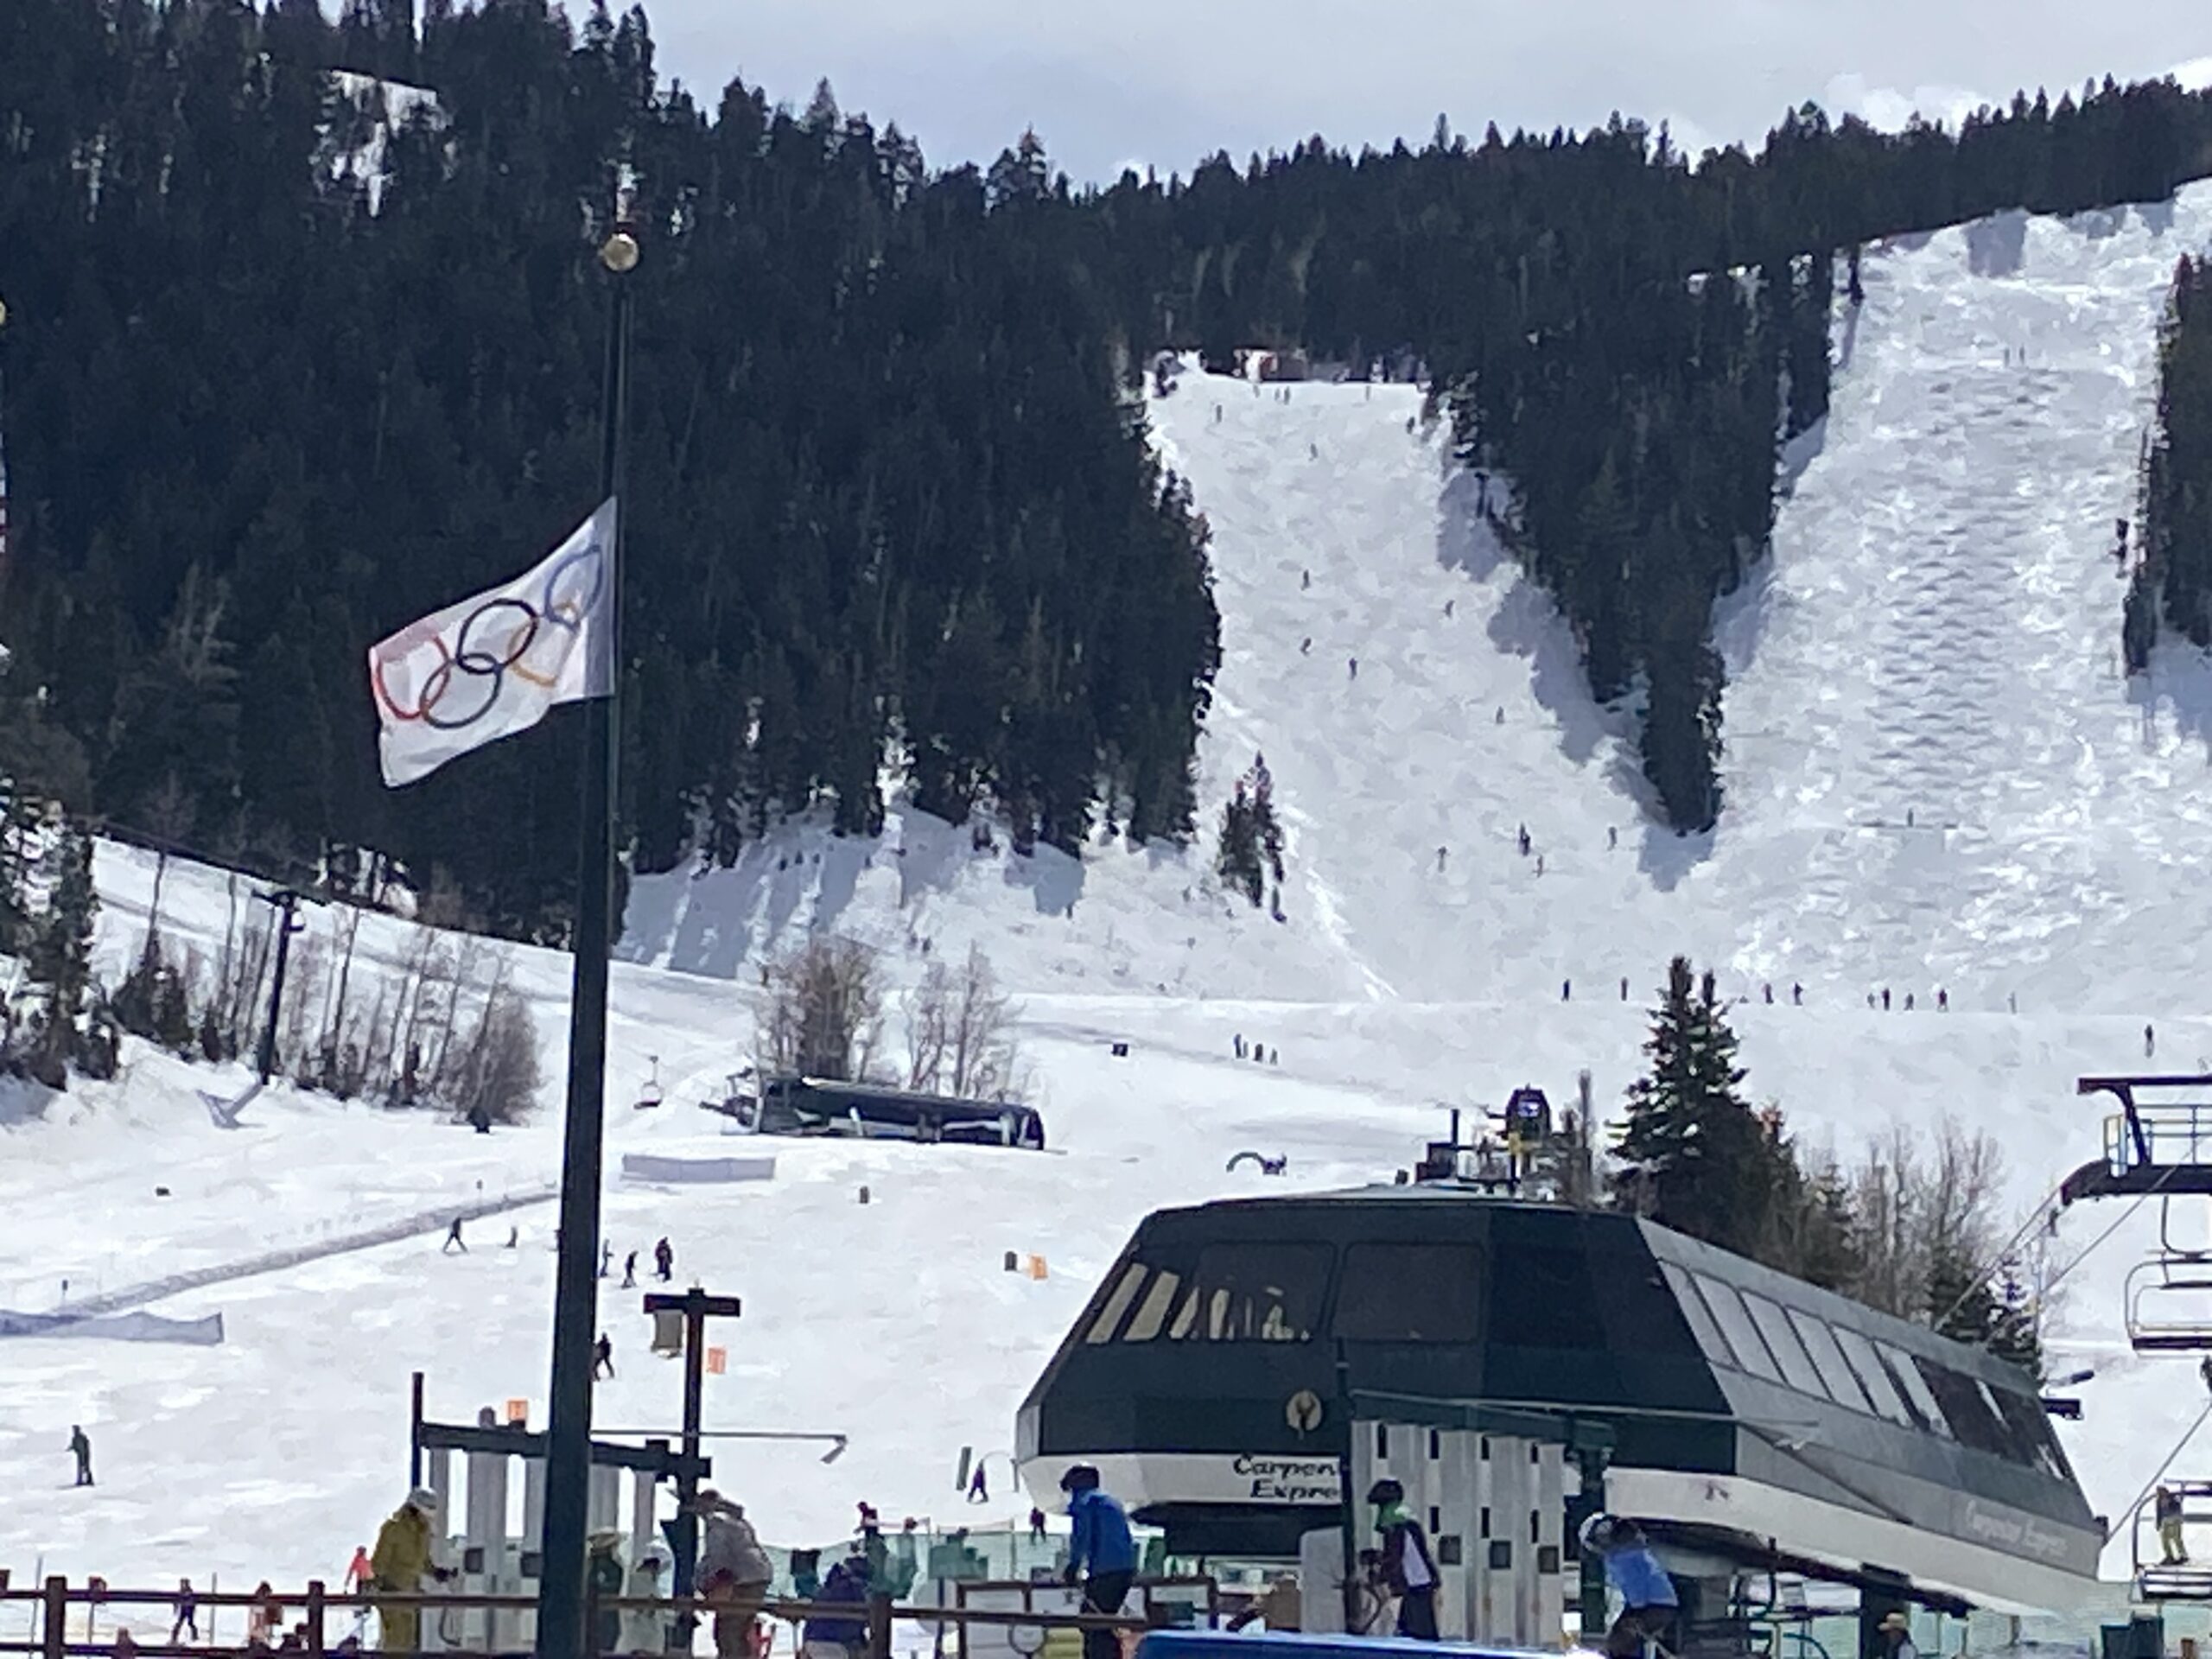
561 1633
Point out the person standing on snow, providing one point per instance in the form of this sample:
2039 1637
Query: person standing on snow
1649 1601
602 1358
642 1629
81 1447
845 1585
1408 1571
397 1567
452 1240
733 1573
1102 1555
188 1613
629 1271
664 1261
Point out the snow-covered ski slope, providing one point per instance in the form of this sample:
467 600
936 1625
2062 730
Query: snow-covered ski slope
1932 638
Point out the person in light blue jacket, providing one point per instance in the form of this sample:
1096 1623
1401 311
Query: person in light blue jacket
1649 1602
1101 1553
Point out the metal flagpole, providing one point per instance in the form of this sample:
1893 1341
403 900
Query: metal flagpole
567 1465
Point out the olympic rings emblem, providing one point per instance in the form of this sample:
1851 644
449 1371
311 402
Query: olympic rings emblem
496 638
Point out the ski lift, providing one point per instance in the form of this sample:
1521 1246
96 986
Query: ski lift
649 1096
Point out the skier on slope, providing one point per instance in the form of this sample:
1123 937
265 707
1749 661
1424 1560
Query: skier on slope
629 1271
602 1358
453 1240
81 1447
664 1261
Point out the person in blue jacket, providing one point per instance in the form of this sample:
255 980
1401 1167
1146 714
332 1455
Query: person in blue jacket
1101 1553
1649 1604
847 1582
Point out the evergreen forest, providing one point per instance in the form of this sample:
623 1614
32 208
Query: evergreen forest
279 380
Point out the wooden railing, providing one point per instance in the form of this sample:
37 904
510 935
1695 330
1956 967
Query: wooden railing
154 1609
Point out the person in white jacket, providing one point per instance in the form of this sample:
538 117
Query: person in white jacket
644 1630
735 1573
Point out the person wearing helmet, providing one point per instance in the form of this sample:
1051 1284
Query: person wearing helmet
1101 1554
1407 1569
398 1565
1649 1604
643 1628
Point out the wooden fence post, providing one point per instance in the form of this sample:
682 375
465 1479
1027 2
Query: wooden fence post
878 1626
315 1593
55 1630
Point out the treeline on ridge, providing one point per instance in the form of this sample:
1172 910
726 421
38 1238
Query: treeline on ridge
891 496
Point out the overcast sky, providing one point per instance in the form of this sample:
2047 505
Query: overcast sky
1165 82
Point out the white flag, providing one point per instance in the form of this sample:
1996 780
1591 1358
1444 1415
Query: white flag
491 665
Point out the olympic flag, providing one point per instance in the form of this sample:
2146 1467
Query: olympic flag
490 667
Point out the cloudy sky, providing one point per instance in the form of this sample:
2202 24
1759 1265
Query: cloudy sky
1165 82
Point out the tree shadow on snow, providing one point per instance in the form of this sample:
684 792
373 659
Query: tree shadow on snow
2158 217
1667 857
1054 879
23 1101
1465 540
1527 624
2179 679
1998 245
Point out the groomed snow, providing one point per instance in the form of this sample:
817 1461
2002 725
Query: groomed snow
1932 636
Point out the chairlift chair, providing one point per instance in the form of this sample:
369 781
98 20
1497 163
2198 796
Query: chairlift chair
2181 1321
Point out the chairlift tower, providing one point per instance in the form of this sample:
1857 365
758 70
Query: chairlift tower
2159 1145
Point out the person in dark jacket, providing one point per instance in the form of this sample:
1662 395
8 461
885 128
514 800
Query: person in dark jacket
1407 1569
846 1584
1101 1553
81 1447
1649 1602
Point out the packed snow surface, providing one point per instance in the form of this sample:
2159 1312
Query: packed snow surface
1937 781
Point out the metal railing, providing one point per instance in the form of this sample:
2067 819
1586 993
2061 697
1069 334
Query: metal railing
56 1600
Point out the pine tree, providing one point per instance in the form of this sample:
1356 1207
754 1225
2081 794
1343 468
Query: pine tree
61 959
1251 837
1694 1156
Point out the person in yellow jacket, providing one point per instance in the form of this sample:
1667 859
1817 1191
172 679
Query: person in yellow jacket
398 1565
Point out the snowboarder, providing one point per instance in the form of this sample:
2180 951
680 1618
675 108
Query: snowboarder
664 1261
188 1613
629 1271
733 1573
452 1240
397 1567
602 1358
81 1447
2167 1507
1102 1555
1649 1601
1408 1571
